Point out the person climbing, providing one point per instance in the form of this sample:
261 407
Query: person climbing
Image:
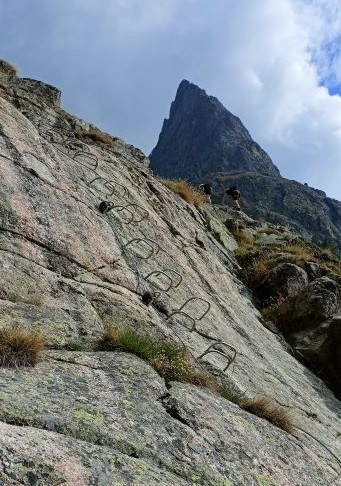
106 206
234 192
207 191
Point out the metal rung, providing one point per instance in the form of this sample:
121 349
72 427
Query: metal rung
212 349
145 240
92 159
77 145
183 314
157 273
197 298
110 185
133 214
142 217
163 272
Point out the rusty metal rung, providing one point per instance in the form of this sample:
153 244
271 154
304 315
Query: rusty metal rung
163 272
110 185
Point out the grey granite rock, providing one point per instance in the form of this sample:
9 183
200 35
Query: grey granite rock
85 418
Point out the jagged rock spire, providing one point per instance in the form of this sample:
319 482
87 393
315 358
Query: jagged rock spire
201 137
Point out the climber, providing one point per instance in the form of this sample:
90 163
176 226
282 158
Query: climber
234 192
105 206
206 189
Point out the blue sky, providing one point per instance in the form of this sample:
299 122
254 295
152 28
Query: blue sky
275 64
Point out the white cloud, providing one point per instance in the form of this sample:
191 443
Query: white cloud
274 57
119 63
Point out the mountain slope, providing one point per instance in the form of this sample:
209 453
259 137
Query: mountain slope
83 417
202 141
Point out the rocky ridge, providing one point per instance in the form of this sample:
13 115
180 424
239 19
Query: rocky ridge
99 418
201 140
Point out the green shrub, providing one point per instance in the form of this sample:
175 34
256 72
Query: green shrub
20 347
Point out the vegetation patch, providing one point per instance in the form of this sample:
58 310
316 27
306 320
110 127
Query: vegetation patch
171 360
185 190
20 347
168 358
279 310
300 253
244 237
7 68
264 408
95 135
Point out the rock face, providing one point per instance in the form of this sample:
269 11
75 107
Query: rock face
98 418
283 280
202 141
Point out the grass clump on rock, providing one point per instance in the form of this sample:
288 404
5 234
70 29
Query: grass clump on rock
95 135
185 190
168 358
171 360
264 408
20 347
7 68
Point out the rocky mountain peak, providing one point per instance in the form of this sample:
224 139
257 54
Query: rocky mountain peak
202 140
222 143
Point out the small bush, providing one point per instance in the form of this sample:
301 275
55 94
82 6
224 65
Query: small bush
300 253
230 395
244 237
20 347
279 310
189 193
244 252
95 135
7 68
264 408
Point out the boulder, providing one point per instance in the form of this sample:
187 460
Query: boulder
285 279
321 348
316 303
313 270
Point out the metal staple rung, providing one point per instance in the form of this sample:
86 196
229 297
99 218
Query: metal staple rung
184 314
163 272
112 185
157 273
197 298
142 218
211 349
88 155
75 144
145 240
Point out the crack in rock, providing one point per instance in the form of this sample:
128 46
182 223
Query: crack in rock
171 406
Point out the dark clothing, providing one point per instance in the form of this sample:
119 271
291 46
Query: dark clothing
206 188
234 192
235 195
